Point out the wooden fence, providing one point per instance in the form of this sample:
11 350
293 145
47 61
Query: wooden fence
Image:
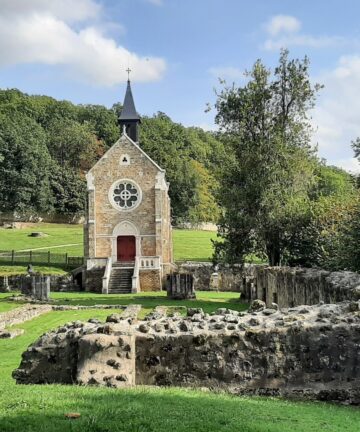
44 258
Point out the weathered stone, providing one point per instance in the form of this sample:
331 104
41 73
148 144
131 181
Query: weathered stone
284 354
185 326
268 311
114 318
22 314
10 334
257 305
194 311
144 328
180 286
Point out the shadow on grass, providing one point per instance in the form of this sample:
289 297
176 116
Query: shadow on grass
151 302
43 408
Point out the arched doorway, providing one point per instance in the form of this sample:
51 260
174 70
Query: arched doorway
125 242
126 248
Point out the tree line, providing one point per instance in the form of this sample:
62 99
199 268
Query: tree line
47 146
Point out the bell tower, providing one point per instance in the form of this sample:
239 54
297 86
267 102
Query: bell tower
129 116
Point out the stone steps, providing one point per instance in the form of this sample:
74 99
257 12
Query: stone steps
120 280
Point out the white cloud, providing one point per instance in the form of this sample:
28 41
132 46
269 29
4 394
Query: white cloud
351 165
284 32
41 32
227 72
337 114
283 24
66 10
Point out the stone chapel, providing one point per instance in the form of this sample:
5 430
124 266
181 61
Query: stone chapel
127 231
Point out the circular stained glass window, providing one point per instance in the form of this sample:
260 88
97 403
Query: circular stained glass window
125 195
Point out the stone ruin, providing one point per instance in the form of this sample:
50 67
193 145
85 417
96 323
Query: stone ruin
308 352
180 286
286 286
35 287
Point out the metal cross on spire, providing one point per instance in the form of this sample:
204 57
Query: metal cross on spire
128 70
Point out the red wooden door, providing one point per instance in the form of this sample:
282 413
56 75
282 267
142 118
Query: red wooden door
126 248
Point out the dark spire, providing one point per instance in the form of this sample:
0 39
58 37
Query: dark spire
129 117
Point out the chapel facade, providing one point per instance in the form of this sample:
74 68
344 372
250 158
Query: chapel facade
127 231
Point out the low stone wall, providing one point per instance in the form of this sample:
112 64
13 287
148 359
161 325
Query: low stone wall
93 282
288 286
22 314
308 352
228 279
57 282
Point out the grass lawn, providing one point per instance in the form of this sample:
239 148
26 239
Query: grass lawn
209 301
9 270
39 408
58 234
193 245
189 245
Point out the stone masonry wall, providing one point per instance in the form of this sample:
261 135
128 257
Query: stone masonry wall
21 314
150 280
286 286
229 280
108 170
308 352
289 286
94 279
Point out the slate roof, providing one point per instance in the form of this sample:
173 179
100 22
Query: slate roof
129 112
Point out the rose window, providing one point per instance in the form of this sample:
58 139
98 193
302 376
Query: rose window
126 195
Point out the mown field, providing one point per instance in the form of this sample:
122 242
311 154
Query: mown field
193 245
39 408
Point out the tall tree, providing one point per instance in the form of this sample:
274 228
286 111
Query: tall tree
265 183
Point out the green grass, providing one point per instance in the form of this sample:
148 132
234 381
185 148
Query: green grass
188 244
58 234
209 301
8 270
193 245
41 408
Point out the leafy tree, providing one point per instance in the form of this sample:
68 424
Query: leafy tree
168 144
102 120
24 166
69 191
266 182
317 242
332 180
73 144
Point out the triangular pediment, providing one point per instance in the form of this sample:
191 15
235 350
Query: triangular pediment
118 143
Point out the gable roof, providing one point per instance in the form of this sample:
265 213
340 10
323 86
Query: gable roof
124 135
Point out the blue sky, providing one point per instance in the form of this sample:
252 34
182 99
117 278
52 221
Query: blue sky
79 50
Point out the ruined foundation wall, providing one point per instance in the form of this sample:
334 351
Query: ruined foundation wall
316 361
229 280
288 286
309 352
